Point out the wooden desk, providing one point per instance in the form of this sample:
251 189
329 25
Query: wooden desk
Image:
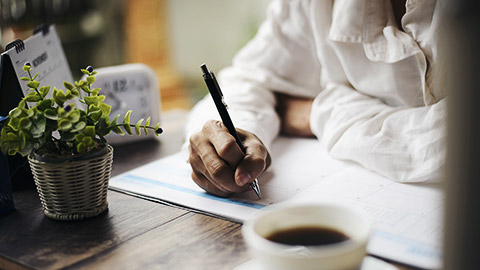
133 234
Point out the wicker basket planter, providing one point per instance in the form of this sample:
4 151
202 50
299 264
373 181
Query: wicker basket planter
73 189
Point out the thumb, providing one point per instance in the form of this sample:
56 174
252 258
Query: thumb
249 168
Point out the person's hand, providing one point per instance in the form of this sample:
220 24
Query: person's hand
218 164
294 113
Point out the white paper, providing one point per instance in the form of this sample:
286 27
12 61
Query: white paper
369 263
407 217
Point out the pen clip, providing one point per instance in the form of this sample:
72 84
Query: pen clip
218 88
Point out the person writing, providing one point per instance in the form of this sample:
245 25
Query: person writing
356 75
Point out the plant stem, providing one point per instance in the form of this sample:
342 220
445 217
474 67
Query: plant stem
31 79
131 125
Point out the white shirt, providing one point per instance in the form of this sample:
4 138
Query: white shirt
374 100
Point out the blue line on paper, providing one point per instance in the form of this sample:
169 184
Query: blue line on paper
413 247
129 177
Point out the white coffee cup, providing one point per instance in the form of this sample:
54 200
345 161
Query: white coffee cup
348 254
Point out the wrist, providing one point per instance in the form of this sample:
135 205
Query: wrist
295 115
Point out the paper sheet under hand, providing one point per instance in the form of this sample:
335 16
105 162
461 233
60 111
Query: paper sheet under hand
407 217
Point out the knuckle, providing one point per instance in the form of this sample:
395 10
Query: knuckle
195 138
257 160
218 170
211 125
227 147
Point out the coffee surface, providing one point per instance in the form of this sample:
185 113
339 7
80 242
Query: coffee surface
307 236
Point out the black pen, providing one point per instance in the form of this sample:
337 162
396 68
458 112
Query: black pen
217 96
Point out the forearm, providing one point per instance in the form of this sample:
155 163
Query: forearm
405 144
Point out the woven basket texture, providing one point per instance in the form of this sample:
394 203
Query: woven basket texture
73 190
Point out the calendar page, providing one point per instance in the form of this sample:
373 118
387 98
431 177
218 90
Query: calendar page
45 53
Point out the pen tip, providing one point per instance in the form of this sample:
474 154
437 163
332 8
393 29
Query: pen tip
256 188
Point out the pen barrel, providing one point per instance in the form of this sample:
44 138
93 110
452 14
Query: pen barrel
222 110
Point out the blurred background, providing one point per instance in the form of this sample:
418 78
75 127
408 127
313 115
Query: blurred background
173 37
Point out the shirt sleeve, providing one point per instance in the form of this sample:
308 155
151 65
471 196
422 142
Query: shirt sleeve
280 58
405 144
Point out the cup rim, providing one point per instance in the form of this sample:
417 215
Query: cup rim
259 242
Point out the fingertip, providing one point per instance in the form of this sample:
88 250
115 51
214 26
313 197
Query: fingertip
243 178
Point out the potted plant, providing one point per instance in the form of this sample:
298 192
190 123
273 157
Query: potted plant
64 139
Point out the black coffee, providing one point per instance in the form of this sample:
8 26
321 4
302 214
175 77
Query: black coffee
307 236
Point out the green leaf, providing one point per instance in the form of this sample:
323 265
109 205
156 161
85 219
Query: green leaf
23 140
15 112
105 109
59 96
25 123
64 125
126 122
79 126
27 68
79 137
74 116
114 121
103 126
22 103
68 136
12 136
88 141
115 128
95 115
69 95
33 84
81 147
95 91
84 71
34 77
51 114
39 127
44 104
92 100
75 93
44 91
31 112
14 123
25 79
91 79
26 150
94 108
90 131
147 123
33 97
118 130
68 85
138 126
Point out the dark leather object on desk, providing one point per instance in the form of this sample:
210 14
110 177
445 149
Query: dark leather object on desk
20 173
10 95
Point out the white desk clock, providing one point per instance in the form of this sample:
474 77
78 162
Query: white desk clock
130 87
